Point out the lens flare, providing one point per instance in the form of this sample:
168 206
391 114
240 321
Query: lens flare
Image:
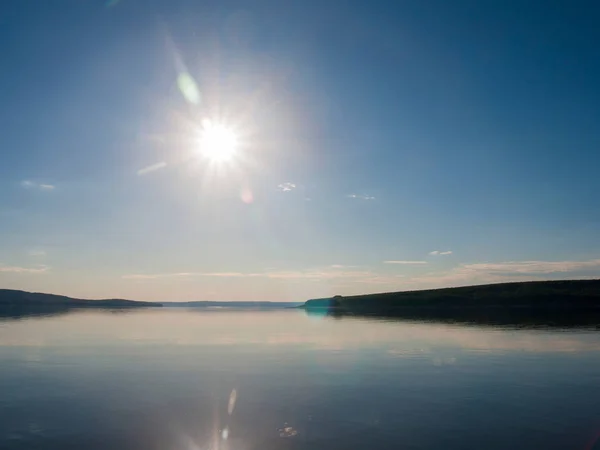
188 87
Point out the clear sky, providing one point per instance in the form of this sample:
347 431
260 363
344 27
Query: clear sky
362 146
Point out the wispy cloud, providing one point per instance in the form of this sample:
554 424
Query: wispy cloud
36 253
361 196
318 274
348 280
152 168
28 184
404 262
152 276
535 267
286 187
230 274
440 253
326 273
17 269
501 272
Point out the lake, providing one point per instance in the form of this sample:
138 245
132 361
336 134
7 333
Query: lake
173 379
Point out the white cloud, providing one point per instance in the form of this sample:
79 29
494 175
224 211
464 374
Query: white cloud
152 276
326 273
37 253
17 269
229 274
535 267
152 168
503 272
404 262
349 280
286 187
28 184
361 196
315 274
334 276
438 252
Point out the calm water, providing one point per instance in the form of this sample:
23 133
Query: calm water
190 380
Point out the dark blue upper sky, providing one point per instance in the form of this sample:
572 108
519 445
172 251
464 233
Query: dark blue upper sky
372 138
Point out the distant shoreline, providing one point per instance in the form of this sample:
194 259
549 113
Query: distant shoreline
10 298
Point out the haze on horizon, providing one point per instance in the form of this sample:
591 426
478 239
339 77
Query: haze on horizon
265 150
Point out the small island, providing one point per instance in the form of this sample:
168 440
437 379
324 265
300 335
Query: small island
532 296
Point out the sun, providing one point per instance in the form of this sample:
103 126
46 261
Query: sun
218 143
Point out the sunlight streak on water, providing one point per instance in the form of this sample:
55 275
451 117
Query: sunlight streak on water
287 431
232 400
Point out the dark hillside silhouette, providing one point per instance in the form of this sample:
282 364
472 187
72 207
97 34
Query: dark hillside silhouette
534 295
23 299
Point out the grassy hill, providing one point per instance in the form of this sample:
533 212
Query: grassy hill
23 299
571 294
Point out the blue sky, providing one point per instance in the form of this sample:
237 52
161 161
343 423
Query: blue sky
380 146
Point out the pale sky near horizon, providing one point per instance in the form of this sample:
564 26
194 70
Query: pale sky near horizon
379 146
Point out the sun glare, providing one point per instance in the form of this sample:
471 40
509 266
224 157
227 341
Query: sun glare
217 143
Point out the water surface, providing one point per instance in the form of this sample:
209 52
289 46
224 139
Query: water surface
198 380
